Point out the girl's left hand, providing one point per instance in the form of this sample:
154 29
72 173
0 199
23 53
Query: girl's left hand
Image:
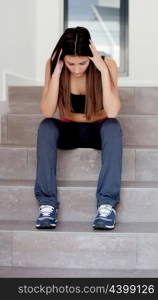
97 59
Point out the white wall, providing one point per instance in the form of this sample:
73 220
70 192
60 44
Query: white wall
143 44
18 44
49 27
29 31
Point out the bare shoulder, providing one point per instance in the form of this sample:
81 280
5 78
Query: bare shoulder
111 62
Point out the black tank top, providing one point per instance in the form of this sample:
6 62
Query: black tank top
78 103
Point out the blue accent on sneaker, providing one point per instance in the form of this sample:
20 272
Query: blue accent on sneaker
47 217
105 218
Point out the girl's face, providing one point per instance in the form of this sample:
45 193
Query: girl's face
77 65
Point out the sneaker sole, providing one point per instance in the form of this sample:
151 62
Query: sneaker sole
47 226
103 226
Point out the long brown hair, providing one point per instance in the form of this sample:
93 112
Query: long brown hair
75 41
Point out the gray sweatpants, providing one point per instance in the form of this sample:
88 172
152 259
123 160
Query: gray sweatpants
105 136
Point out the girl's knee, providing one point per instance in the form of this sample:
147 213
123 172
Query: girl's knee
111 124
48 124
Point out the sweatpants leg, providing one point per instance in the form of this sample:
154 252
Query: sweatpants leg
109 182
45 188
52 134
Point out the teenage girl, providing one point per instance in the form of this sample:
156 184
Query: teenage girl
82 84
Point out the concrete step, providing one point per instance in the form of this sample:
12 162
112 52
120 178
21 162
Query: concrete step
135 100
138 201
138 130
29 272
19 162
76 245
24 99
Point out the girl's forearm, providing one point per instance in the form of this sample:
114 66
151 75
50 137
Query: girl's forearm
49 104
111 101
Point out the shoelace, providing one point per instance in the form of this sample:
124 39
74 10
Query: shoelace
104 210
46 210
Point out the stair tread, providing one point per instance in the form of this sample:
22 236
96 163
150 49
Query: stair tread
72 273
81 227
79 183
147 147
135 114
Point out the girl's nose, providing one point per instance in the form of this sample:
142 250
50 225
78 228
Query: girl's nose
77 70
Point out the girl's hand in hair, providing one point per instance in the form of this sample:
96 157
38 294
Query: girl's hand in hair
97 59
59 64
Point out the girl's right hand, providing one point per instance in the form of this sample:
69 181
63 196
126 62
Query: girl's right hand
59 64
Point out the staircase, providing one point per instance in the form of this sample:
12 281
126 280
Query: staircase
74 249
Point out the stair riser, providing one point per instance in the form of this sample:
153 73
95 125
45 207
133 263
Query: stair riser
79 250
81 164
23 99
79 204
136 130
26 100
